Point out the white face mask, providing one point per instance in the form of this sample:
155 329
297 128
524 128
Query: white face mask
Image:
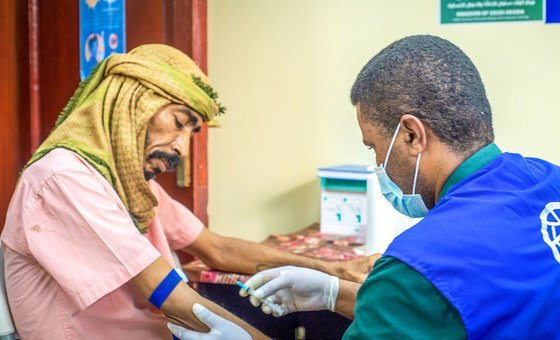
410 205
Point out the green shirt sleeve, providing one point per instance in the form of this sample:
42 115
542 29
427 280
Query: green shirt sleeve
397 302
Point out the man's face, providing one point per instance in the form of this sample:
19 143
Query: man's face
401 165
168 138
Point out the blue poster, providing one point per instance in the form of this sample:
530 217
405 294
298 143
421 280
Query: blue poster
552 11
102 32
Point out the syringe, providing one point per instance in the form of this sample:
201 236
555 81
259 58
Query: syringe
276 309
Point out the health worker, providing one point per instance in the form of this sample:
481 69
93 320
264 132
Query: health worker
484 261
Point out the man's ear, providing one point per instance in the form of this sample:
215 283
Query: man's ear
415 134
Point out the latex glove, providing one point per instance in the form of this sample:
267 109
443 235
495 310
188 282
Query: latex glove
294 289
220 328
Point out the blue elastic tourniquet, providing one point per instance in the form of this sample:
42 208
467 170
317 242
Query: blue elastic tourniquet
164 289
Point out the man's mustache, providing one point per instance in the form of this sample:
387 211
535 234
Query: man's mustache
172 160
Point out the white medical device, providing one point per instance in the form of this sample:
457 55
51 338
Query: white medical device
352 204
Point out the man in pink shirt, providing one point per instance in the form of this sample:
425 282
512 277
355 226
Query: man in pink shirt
89 235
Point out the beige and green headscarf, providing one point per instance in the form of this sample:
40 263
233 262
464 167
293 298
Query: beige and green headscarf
105 122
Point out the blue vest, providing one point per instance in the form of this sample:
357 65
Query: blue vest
491 247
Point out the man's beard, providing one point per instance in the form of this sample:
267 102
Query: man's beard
172 161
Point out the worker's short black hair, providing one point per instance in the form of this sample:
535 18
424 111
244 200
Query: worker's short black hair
432 79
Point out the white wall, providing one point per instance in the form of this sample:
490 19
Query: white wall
284 69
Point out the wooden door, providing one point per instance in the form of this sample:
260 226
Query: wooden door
41 76
12 97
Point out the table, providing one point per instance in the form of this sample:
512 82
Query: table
220 286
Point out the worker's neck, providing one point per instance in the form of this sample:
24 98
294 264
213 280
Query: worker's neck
443 163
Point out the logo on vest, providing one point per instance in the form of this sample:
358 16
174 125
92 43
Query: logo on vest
550 227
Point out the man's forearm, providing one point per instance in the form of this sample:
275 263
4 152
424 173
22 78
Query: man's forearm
346 299
178 306
240 256
175 309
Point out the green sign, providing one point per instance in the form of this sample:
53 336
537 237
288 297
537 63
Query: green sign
469 11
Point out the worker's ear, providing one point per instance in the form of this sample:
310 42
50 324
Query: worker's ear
415 134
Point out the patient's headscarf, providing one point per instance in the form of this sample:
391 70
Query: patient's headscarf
105 122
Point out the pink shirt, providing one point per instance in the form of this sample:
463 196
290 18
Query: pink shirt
71 249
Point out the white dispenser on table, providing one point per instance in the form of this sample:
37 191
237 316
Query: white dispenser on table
352 204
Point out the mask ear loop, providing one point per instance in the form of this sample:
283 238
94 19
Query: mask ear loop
416 173
391 145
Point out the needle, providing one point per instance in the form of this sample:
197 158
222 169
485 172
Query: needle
274 307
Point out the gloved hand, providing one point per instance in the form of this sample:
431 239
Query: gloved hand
220 328
294 289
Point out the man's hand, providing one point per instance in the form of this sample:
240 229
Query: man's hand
220 328
354 270
294 289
